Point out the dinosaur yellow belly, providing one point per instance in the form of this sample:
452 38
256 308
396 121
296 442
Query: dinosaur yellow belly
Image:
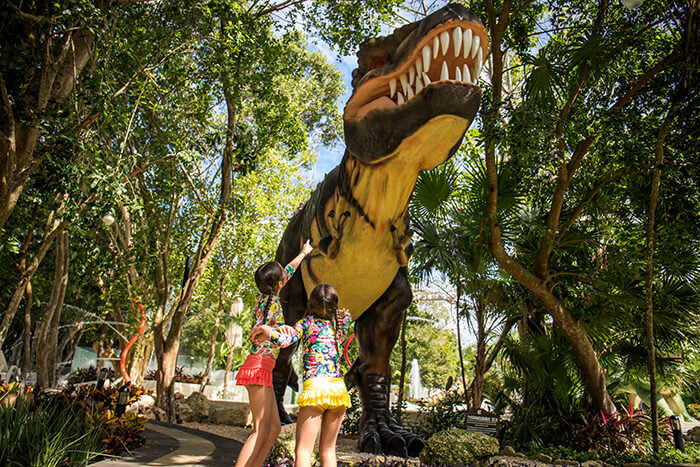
361 271
366 262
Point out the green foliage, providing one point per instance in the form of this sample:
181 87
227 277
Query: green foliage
456 446
50 433
446 412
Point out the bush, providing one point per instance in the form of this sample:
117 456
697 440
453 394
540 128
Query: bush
179 377
456 446
89 374
447 412
693 410
351 422
49 433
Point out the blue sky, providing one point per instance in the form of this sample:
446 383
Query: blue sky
329 157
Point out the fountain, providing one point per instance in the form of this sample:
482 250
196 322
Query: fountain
415 385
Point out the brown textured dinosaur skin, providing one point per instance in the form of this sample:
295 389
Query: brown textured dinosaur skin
356 218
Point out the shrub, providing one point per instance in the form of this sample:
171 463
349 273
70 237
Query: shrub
179 377
89 374
693 410
447 412
49 433
351 422
457 446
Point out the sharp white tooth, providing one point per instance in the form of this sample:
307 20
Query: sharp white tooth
410 93
475 45
392 87
399 99
426 79
419 84
444 74
404 82
458 74
466 76
426 57
411 75
419 66
467 43
457 40
436 46
478 61
444 41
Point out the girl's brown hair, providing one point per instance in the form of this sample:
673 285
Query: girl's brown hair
267 277
323 304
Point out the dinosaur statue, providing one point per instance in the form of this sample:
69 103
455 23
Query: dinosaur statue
414 96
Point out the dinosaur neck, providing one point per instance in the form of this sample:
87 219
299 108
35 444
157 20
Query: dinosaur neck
381 191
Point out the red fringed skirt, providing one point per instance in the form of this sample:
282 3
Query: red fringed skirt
256 370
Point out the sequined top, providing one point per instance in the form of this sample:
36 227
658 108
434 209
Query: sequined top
274 318
321 357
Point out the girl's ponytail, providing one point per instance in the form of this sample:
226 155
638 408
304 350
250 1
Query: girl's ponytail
266 308
267 277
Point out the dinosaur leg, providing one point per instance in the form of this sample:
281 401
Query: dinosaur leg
293 298
376 332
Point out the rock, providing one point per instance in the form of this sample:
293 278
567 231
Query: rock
456 446
146 401
160 414
637 464
566 463
693 435
509 461
199 404
542 458
185 412
520 455
592 464
235 415
507 451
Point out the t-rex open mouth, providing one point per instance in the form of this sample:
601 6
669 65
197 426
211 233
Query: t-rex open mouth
453 51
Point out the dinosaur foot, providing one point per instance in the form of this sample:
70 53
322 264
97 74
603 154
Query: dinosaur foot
380 432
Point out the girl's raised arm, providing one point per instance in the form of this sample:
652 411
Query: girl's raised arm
305 250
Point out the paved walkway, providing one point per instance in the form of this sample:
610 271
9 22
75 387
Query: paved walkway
167 445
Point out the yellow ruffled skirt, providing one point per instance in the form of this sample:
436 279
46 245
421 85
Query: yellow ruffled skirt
327 393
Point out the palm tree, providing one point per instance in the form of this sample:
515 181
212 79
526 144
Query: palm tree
448 211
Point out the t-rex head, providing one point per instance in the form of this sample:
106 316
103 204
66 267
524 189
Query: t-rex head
423 70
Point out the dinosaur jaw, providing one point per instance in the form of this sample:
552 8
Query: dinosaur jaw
451 52
376 137
438 77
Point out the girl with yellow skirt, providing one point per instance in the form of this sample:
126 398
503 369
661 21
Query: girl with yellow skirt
323 401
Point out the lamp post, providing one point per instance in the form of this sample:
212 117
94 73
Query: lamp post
675 423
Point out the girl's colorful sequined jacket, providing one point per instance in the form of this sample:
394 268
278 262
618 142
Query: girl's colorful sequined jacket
274 318
321 354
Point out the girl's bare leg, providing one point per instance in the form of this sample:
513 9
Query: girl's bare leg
266 426
330 426
308 424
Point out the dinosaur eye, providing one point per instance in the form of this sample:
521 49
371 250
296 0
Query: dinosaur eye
377 61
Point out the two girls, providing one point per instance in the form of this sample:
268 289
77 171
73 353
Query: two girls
323 401
256 372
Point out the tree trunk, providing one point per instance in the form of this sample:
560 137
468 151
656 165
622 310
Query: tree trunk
214 333
488 361
27 333
479 359
459 346
54 80
398 414
167 347
45 351
649 273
